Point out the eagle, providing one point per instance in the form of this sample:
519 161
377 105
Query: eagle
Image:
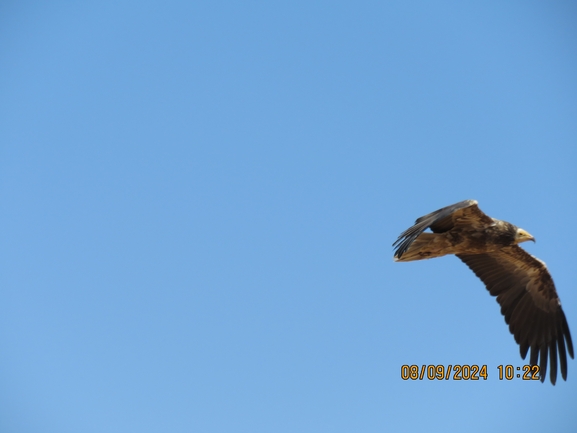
521 282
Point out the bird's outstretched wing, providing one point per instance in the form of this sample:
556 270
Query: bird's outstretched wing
464 213
525 290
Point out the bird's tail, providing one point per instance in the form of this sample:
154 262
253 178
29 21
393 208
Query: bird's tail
426 246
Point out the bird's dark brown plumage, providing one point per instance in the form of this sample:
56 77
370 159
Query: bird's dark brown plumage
522 284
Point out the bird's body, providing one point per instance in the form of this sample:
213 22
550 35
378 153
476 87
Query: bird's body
522 284
460 240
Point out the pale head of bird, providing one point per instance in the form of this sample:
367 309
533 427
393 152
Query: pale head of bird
523 236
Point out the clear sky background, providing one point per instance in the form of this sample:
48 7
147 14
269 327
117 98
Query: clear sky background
199 201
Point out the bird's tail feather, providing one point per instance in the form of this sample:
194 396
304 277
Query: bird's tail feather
426 246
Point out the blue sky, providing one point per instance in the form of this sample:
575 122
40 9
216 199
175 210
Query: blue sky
199 201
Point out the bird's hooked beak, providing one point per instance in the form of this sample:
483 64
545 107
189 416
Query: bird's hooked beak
523 236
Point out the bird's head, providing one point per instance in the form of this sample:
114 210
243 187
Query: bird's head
523 236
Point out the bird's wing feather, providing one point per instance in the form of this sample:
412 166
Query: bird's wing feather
470 216
525 290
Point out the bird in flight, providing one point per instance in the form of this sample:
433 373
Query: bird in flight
521 282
